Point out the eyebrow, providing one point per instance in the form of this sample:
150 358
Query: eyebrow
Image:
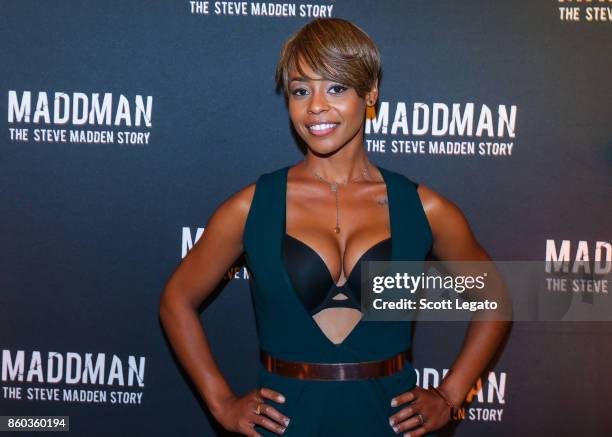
303 79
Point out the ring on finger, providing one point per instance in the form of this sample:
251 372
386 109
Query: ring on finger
258 409
422 418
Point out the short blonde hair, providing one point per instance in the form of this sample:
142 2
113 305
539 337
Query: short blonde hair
334 48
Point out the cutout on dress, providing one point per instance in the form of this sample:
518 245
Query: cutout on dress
336 309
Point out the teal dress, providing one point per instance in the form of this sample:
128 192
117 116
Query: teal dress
287 331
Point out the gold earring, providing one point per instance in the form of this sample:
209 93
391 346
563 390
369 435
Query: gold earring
370 111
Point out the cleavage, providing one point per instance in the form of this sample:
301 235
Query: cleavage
346 277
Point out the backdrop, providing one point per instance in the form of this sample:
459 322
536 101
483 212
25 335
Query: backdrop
127 123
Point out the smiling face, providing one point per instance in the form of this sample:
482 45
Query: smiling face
327 115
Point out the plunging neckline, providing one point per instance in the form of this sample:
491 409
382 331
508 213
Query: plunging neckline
289 284
320 258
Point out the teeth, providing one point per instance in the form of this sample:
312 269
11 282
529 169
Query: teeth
322 126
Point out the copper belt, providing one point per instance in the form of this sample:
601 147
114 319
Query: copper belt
334 371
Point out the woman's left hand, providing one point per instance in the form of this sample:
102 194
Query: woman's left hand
426 411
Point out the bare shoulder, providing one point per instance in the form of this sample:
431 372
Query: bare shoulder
214 253
234 210
239 203
438 208
452 234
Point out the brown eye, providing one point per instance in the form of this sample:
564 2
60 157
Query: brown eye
338 89
298 92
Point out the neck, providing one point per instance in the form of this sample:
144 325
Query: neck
338 168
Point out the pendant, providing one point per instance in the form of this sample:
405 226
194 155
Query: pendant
337 229
334 187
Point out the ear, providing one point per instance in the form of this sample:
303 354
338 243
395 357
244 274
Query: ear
372 95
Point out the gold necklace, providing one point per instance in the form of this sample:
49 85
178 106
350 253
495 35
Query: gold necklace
334 187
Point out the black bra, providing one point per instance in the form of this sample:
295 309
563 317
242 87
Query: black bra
313 282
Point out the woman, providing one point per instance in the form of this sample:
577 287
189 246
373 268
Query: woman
304 230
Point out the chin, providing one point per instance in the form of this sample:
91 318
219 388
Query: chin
324 151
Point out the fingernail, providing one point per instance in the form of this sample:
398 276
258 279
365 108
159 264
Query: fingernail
393 402
391 422
286 422
282 430
407 434
396 429
281 398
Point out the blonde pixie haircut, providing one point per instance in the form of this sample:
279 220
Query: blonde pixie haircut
334 48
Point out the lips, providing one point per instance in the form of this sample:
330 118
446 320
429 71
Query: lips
321 128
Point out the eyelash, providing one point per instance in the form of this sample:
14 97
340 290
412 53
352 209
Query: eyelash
342 89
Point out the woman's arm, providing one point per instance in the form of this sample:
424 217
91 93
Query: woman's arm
454 241
195 278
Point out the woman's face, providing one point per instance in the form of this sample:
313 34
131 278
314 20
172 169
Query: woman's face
327 115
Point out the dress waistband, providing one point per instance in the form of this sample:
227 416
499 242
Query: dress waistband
334 371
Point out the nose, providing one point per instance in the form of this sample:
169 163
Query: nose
318 102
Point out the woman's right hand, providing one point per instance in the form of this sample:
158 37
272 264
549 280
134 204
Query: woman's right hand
239 414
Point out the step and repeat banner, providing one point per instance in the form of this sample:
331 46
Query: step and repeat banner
126 123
